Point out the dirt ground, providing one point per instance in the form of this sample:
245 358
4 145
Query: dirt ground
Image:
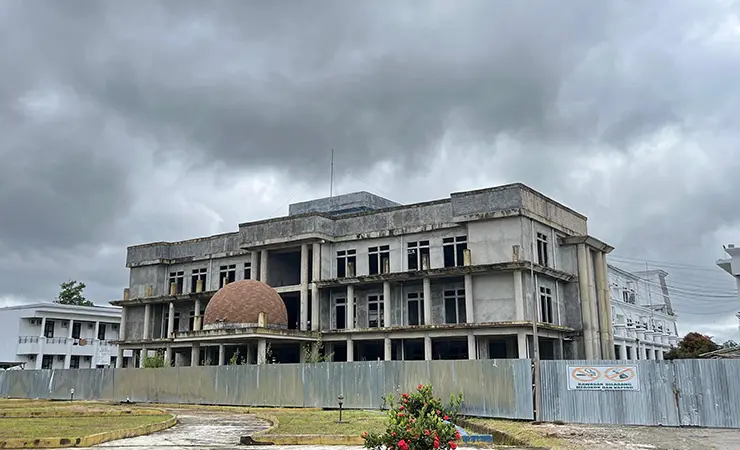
631 438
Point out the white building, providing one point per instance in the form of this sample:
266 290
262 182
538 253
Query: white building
644 323
731 265
54 336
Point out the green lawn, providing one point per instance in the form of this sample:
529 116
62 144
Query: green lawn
70 427
313 421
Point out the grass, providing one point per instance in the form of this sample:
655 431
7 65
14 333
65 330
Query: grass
319 422
520 433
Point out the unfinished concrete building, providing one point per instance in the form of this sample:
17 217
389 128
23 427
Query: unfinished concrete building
365 278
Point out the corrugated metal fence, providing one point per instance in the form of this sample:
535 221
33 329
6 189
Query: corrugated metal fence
702 393
491 388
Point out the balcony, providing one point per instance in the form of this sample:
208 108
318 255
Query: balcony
28 345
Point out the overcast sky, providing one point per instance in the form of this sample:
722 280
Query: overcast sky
129 122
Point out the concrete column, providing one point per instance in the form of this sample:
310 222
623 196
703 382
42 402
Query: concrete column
122 325
350 350
643 353
142 356
603 301
147 321
69 331
388 349
221 355
119 358
195 355
315 294
171 320
254 260
248 356
521 342
168 356
350 307
427 292
472 348
427 348
623 351
594 303
261 351
43 326
387 304
97 329
659 354
263 266
588 337
518 296
469 305
197 320
304 287
67 360
560 349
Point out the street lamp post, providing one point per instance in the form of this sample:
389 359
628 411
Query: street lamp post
340 400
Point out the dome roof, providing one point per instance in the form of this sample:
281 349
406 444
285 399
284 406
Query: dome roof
240 303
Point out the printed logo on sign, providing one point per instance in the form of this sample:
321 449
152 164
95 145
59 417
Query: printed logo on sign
585 374
620 374
601 378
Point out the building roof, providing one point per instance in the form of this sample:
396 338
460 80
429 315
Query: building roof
240 303
72 309
723 353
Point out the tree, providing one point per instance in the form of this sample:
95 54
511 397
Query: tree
71 294
314 353
692 345
155 361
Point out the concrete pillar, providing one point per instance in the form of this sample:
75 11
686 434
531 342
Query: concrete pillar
427 292
43 326
603 302
469 305
388 349
197 320
518 296
560 349
594 303
263 266
472 348
69 331
221 355
147 321
304 287
350 307
659 354
195 355
350 350
427 348
248 356
387 304
168 356
521 343
119 358
171 320
122 325
254 261
649 353
67 360
142 356
315 294
643 353
623 351
97 329
261 351
588 337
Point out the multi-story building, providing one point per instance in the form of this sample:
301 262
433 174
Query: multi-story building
460 277
645 326
55 336
731 265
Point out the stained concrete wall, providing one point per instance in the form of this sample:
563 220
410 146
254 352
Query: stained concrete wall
493 296
492 241
352 201
134 321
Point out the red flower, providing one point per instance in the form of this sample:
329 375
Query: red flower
403 445
457 434
401 407
446 417
393 434
453 446
439 412
400 414
420 386
436 443
364 434
427 432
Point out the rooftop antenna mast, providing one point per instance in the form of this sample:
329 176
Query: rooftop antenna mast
331 177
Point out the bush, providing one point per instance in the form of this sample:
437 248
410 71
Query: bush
418 421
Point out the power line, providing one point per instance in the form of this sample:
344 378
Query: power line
666 263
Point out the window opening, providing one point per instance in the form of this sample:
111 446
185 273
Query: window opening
178 279
415 303
542 255
453 249
546 315
101 332
227 274
340 313
454 306
379 259
49 329
375 310
247 271
346 263
417 255
198 274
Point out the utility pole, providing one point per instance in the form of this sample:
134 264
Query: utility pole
331 176
535 334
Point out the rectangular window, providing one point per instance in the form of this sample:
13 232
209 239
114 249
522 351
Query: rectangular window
76 330
546 315
346 263
375 310
340 313
198 275
101 332
454 250
47 361
379 259
454 306
542 255
74 362
247 271
49 329
191 318
178 278
226 275
415 308
417 255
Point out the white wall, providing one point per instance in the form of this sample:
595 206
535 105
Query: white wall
9 332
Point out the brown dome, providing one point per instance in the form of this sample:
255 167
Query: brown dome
240 303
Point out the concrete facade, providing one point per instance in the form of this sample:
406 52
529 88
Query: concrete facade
54 336
458 278
645 326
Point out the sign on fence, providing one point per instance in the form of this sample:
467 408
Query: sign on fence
603 378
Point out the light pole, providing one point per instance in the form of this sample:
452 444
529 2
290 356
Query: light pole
71 394
340 400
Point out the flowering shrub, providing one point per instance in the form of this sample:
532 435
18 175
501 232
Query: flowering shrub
418 421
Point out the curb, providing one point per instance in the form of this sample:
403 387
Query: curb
310 439
89 441
71 413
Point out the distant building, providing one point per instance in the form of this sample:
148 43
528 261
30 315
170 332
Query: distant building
54 336
731 265
645 326
456 278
